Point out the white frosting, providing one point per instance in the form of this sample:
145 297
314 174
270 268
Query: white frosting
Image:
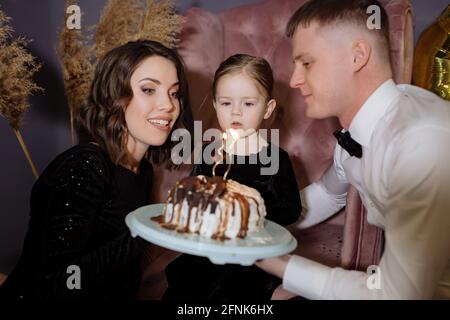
222 221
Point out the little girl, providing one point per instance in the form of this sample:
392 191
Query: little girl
242 91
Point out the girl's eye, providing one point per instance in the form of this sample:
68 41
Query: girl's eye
249 104
225 104
148 91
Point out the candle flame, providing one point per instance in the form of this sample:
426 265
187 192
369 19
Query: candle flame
229 137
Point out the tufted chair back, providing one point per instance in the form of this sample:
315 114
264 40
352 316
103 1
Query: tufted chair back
258 29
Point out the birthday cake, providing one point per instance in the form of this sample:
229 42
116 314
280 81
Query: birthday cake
213 207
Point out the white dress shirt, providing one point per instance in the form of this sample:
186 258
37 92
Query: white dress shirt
403 179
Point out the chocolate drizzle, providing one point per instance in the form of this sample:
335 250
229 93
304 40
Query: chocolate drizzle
202 192
158 219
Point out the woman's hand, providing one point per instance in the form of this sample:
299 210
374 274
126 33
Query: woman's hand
275 266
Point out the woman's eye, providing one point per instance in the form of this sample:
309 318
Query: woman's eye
175 95
148 91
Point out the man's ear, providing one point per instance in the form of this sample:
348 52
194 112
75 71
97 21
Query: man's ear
270 107
361 52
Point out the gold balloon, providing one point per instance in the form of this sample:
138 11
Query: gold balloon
432 57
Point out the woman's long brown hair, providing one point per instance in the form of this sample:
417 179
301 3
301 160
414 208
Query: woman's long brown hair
102 118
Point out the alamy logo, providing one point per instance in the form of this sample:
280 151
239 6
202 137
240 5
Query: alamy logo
182 151
74 280
374 279
374 20
74 17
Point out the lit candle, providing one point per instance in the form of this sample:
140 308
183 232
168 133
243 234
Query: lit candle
229 138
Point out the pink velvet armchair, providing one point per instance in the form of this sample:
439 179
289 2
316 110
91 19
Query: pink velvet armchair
207 39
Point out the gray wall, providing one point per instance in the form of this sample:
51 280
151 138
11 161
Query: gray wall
46 125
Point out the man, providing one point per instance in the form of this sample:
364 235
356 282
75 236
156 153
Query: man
398 158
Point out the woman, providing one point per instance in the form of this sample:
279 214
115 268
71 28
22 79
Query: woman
78 205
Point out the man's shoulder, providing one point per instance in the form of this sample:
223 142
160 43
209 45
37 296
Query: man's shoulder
417 110
415 128
418 105
418 91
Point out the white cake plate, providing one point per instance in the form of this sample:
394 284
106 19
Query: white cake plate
273 240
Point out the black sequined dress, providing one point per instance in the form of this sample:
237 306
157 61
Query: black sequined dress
78 206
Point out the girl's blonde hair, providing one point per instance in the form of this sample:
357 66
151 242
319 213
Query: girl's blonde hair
256 68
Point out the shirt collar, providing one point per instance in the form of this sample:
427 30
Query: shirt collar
367 117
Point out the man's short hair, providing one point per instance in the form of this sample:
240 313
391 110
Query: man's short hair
353 12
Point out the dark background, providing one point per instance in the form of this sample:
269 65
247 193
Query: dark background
46 128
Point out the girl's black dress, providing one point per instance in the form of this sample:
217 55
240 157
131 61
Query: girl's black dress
194 278
78 206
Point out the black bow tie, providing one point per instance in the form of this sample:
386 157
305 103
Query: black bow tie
345 141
